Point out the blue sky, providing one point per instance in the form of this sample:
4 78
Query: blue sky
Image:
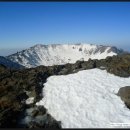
24 24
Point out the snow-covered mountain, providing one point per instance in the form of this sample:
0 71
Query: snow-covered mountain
10 64
57 54
87 99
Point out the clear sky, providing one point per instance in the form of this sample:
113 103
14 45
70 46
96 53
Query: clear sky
24 24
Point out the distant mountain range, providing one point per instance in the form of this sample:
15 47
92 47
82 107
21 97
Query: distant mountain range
58 54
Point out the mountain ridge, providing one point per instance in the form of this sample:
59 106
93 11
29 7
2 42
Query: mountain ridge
9 64
58 54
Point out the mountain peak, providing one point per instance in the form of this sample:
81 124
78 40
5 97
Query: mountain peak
57 54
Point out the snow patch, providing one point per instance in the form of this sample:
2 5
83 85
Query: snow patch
30 100
86 99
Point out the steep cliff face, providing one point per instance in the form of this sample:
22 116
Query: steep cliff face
58 54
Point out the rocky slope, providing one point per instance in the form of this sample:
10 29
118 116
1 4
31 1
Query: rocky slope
58 54
10 64
16 86
14 90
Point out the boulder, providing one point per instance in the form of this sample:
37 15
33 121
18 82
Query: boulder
124 93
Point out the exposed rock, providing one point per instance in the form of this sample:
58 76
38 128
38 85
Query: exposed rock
22 96
45 121
124 93
39 110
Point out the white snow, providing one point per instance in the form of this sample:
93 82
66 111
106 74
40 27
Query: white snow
58 54
86 99
30 100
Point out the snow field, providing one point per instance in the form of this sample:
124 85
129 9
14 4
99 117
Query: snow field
86 99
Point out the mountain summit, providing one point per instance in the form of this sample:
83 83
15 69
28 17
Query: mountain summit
57 54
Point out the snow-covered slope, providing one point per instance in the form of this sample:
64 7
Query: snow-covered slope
8 63
86 99
57 54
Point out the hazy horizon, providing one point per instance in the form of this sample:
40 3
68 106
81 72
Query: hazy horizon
24 24
9 51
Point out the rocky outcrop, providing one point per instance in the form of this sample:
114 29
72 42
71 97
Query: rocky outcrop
15 87
119 65
124 93
42 119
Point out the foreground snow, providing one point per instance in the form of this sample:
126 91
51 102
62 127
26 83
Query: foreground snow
86 99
